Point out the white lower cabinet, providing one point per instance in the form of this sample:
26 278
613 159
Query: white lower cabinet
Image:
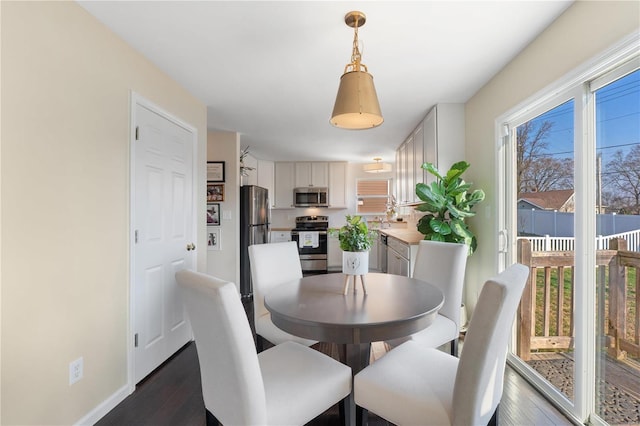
280 236
396 263
401 257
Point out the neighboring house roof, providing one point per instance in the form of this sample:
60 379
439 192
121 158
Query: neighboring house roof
548 200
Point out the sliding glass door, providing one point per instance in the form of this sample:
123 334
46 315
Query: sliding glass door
544 193
570 181
617 180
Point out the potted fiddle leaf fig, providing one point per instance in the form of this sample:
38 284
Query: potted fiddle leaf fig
447 203
355 241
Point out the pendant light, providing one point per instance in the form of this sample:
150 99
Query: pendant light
377 167
356 104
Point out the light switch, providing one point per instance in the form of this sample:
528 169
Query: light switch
226 214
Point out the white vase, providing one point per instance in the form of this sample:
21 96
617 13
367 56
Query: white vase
355 262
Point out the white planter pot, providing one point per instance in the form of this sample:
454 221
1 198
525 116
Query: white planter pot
355 262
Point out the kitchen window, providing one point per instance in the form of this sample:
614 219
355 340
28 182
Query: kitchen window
373 195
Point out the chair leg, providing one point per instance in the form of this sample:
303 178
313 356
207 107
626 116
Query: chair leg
494 418
259 343
211 419
454 347
343 409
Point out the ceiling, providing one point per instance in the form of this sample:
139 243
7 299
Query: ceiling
270 69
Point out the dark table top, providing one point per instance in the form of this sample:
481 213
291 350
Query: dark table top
314 307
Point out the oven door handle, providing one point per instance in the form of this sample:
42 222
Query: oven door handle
319 232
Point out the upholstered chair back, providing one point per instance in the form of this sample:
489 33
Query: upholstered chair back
272 264
478 384
232 384
443 265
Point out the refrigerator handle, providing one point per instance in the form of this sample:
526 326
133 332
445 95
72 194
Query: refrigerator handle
268 236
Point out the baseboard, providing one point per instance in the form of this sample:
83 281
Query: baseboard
104 407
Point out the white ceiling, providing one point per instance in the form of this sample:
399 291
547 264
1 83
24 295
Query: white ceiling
270 69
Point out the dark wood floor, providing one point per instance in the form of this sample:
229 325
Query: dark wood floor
172 395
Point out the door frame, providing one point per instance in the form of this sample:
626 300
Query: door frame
572 85
138 100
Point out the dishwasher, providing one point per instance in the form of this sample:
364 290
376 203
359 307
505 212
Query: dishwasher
382 253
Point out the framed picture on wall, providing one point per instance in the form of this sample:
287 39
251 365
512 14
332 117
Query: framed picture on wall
213 214
213 238
215 192
215 171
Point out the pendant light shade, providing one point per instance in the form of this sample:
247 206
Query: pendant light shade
377 167
356 105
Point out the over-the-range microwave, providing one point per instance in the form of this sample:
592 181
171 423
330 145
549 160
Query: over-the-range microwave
311 197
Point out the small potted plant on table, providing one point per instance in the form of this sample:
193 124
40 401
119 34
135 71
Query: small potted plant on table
355 241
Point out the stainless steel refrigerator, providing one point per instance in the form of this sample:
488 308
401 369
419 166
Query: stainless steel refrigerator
254 229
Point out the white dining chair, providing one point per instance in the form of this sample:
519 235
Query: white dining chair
413 384
288 384
443 265
272 264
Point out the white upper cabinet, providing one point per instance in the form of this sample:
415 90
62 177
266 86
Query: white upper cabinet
448 147
290 175
430 136
338 185
312 174
438 139
265 173
284 184
418 157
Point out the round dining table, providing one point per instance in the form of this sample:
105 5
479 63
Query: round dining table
315 307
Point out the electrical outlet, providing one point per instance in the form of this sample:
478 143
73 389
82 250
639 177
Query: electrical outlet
75 370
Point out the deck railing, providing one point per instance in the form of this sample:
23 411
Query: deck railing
546 308
548 243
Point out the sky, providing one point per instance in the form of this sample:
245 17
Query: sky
617 120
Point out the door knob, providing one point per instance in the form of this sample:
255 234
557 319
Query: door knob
191 246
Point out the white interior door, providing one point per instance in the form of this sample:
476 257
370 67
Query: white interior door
162 220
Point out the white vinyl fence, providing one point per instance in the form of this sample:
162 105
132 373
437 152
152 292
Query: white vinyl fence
548 243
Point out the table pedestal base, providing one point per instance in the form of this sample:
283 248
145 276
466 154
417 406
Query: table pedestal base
356 356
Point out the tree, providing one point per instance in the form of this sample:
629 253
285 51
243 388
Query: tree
622 176
537 170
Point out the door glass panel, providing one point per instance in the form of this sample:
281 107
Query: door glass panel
545 222
618 229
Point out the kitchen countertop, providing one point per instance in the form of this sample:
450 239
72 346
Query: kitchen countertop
409 236
281 229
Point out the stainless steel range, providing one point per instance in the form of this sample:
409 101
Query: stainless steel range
310 234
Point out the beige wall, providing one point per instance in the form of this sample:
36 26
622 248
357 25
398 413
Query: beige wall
66 83
583 31
225 264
